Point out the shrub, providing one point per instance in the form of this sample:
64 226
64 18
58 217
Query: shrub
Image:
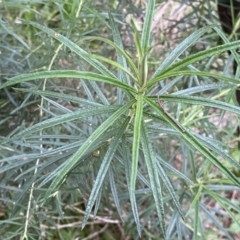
119 135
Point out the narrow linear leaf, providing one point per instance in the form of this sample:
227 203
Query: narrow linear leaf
87 91
195 200
97 202
124 74
166 116
194 100
123 69
231 205
192 73
17 165
225 39
126 162
9 31
199 56
103 170
174 170
135 154
65 151
170 189
194 142
219 150
69 164
137 40
103 16
215 220
196 220
99 92
127 167
74 47
79 114
190 40
202 88
66 97
153 176
146 32
118 49
67 74
114 191
221 202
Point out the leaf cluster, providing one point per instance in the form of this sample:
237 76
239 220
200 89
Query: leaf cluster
115 137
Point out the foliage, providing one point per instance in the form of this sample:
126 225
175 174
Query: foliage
113 127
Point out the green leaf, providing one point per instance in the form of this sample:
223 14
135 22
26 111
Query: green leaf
175 171
209 143
77 115
74 47
184 45
103 170
69 164
137 40
153 176
193 100
198 57
195 200
98 143
196 220
124 74
67 74
114 191
166 116
120 51
146 33
205 87
128 170
212 216
135 154
225 39
221 201
193 142
170 188
122 67
100 93
9 31
191 73
66 97
97 202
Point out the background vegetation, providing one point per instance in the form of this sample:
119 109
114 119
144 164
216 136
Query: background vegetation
119 117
